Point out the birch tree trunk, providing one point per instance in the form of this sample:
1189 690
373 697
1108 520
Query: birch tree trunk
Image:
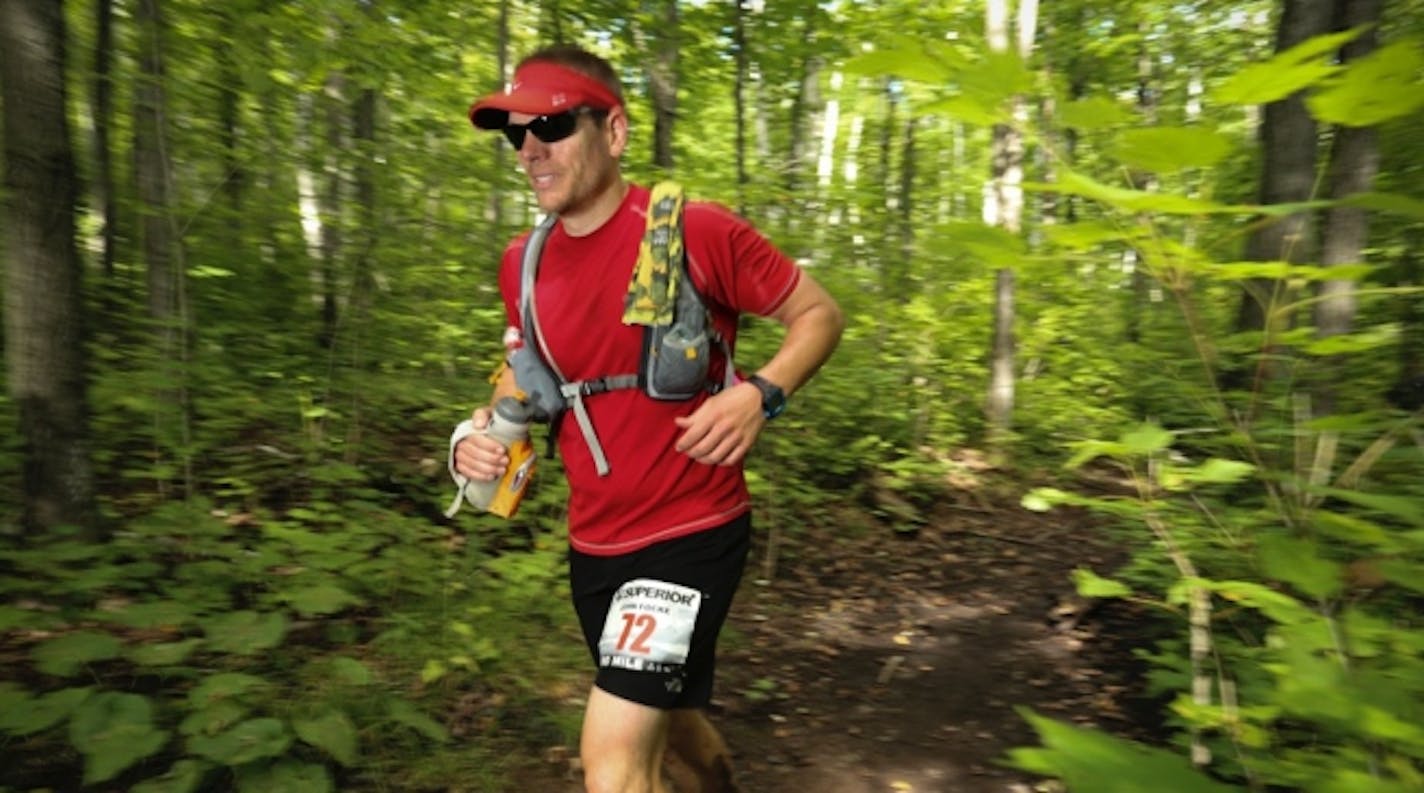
44 359
1003 207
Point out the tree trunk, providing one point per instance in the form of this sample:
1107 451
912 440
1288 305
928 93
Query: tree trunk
495 208
1134 259
1288 148
152 167
167 296
1000 405
44 360
739 99
905 198
662 83
363 264
235 177
102 112
1354 161
1408 390
330 209
551 22
1003 206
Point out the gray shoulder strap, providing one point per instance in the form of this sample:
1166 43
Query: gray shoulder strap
528 272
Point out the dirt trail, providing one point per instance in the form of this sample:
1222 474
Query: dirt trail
893 662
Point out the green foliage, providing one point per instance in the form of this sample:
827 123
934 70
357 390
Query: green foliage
1278 541
113 731
1090 760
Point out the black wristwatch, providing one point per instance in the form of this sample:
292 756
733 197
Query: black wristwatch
773 399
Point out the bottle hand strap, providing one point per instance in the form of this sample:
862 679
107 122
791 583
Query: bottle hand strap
462 431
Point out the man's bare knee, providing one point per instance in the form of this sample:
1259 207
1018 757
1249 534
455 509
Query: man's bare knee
622 745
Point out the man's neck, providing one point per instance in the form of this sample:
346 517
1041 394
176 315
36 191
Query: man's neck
596 211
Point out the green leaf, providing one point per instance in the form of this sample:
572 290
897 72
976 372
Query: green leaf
22 714
1090 584
403 712
1393 203
1403 573
284 776
153 614
223 686
1379 87
163 654
1348 780
1216 471
1086 235
1298 563
331 732
1089 760
250 740
908 62
184 777
1094 112
1134 201
213 719
969 109
1277 605
1036 500
1356 530
245 632
1146 439
1296 69
433 670
12 618
992 245
1170 149
349 670
1087 451
1402 507
320 599
67 654
113 731
1283 271
1364 340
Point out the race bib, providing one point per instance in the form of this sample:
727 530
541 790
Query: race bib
649 626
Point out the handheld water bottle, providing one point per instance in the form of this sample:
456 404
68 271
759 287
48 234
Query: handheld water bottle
508 424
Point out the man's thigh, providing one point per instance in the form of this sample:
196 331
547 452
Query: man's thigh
651 619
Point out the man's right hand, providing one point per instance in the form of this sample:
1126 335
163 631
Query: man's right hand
479 457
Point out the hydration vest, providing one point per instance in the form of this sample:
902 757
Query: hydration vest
677 328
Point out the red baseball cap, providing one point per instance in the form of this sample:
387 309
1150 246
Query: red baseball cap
541 88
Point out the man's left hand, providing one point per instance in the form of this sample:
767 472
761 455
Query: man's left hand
724 428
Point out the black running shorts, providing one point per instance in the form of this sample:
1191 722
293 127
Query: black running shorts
651 617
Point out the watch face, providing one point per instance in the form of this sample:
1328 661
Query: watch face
773 399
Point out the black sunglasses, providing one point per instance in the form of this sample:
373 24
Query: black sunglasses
549 129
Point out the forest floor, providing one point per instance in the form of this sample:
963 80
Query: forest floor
894 662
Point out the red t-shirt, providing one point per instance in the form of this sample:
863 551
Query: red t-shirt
652 492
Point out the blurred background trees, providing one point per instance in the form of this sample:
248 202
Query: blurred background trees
250 284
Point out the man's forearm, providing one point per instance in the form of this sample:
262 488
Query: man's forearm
810 339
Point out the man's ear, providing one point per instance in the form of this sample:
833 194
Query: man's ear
616 130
